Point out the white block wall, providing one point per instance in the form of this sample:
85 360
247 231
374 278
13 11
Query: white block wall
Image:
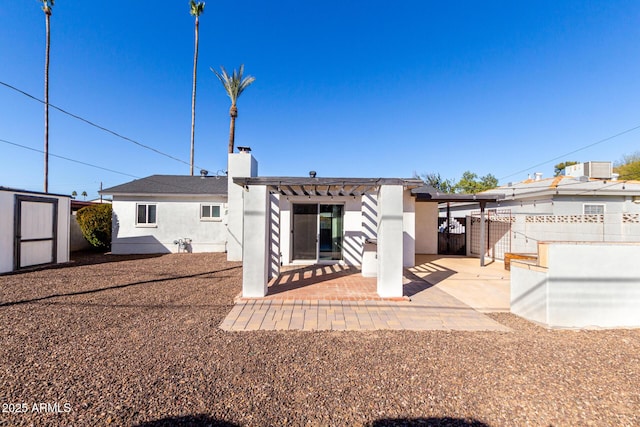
583 285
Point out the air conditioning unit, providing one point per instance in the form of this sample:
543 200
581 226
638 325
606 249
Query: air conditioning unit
597 170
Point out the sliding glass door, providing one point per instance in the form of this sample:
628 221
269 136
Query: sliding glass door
330 242
317 232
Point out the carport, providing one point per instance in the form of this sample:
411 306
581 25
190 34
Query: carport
429 194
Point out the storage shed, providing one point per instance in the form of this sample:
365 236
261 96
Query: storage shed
34 229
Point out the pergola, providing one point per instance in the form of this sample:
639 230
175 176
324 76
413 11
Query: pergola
391 201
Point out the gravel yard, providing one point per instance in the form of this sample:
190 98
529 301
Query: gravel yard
135 341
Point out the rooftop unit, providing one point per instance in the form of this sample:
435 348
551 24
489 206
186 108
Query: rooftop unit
597 170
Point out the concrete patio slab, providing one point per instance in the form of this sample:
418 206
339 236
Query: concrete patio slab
486 289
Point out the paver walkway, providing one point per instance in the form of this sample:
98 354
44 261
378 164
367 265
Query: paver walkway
308 299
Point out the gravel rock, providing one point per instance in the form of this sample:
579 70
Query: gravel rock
134 340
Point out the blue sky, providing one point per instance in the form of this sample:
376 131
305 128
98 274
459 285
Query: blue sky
372 89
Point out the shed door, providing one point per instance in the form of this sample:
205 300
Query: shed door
35 231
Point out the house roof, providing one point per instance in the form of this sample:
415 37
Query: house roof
567 186
301 186
172 184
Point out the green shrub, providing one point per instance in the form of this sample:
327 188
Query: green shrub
95 223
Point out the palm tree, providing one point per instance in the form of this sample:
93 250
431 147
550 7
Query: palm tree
84 194
196 10
74 194
46 7
234 85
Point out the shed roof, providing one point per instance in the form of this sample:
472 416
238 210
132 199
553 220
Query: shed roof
172 184
39 193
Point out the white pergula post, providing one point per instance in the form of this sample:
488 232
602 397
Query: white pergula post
390 240
240 165
255 247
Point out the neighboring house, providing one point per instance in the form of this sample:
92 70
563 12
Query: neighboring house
34 229
566 208
169 213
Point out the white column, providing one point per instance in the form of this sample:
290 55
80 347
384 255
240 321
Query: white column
390 240
240 165
255 246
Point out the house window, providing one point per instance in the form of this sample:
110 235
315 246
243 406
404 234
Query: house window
210 212
146 214
593 209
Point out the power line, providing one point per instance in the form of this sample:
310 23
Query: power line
181 187
572 152
75 116
68 159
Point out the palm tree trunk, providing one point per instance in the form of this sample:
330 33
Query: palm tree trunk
233 112
193 97
46 104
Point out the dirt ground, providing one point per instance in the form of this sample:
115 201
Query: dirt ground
123 340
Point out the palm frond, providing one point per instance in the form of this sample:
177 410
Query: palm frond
235 83
196 8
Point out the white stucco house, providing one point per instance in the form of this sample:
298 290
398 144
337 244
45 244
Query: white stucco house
169 213
376 224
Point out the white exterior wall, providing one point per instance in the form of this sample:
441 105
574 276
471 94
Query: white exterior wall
426 228
7 209
580 284
176 218
354 228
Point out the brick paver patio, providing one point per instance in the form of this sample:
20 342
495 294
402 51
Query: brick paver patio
333 297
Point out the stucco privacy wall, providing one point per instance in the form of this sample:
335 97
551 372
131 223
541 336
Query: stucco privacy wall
426 228
579 284
176 218
77 241
7 224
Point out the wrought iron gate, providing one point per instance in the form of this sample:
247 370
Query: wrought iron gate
452 238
